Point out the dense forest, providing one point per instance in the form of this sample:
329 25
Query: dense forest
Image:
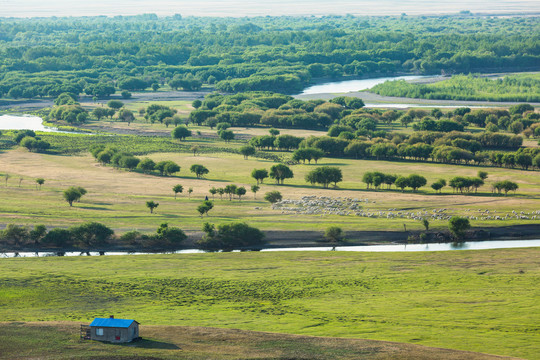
98 55
522 87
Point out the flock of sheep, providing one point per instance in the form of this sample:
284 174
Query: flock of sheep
324 205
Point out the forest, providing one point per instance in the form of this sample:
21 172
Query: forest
97 56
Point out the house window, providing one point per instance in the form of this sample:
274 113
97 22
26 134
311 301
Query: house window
99 331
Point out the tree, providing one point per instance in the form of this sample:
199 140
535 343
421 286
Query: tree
334 234
416 181
229 236
58 237
247 151
324 176
167 167
91 234
73 194
199 170
205 207
406 120
254 189
100 112
483 175
190 191
181 132
437 186
280 172
226 135
38 233
194 149
230 190
506 186
213 191
129 162
273 197
177 189
240 191
115 104
458 226
221 191
273 132
425 222
151 205
168 236
40 182
146 165
402 182
259 175
196 104
126 116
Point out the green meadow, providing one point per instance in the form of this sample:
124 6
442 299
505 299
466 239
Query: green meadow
482 301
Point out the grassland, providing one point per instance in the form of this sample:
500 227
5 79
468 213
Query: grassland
485 301
59 340
117 197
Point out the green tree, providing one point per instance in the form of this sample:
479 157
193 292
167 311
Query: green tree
416 181
73 194
247 151
213 191
152 205
334 234
190 191
230 236
280 172
177 189
483 175
205 207
146 165
240 191
273 196
40 182
181 132
458 226
226 135
115 104
324 176
91 234
254 189
230 190
259 175
198 170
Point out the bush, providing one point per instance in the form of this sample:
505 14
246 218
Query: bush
229 237
273 196
334 234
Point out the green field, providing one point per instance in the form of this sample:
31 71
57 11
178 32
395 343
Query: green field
484 301
117 197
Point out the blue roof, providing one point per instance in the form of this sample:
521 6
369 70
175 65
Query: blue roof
109 322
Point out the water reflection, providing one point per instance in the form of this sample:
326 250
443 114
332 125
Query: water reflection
470 245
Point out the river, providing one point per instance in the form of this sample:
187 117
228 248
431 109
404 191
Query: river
25 122
469 245
356 85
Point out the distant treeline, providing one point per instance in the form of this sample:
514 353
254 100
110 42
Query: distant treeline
99 55
524 87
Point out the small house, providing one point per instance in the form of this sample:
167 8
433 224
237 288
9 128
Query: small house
114 330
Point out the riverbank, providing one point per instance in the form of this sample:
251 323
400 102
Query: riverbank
276 239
